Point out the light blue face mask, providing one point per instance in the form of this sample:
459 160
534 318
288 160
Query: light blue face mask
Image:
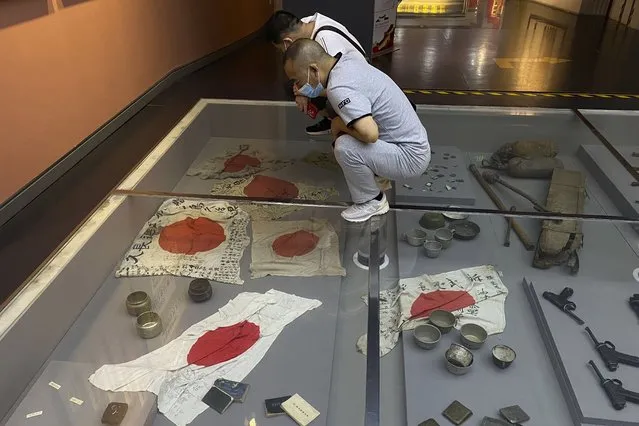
310 91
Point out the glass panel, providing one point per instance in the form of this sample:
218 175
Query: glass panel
214 152
618 127
518 147
484 283
617 166
289 328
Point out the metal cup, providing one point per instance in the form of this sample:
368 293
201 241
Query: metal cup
433 248
149 325
459 359
503 356
426 336
415 237
137 303
443 320
444 236
473 336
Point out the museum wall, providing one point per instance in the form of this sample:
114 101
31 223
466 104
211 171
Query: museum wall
67 73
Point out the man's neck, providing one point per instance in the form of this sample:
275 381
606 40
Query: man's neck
326 67
307 29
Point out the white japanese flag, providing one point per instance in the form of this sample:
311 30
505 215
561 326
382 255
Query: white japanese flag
228 344
475 295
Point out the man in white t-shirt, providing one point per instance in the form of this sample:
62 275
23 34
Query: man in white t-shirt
284 28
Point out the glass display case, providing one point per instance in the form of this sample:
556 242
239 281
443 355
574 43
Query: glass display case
223 255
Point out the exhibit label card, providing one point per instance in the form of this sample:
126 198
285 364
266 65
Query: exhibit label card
300 410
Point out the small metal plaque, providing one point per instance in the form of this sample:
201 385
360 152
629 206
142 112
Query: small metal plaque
429 422
489 421
514 414
457 413
114 413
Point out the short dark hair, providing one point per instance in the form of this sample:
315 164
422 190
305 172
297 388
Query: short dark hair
305 50
279 25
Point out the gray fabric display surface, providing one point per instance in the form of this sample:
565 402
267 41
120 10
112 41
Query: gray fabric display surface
603 286
612 177
446 182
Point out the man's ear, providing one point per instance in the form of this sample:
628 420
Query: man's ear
287 42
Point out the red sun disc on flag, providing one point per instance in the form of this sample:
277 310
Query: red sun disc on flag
270 187
294 244
191 236
240 162
446 300
223 344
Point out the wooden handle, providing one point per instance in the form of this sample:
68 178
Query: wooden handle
523 236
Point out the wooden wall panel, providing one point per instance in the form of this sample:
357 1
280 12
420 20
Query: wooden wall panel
66 74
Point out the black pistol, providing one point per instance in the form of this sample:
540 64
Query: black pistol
615 391
609 354
561 301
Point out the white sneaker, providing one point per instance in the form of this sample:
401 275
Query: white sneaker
363 212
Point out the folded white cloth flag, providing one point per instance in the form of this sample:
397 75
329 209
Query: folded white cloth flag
300 248
228 344
239 161
475 295
197 239
270 185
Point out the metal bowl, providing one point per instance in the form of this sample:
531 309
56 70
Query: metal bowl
455 215
459 359
433 249
443 320
137 303
432 221
464 229
444 236
415 237
473 336
426 336
149 325
503 356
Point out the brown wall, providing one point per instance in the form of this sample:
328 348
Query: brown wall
64 75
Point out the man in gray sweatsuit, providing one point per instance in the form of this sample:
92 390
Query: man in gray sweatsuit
377 131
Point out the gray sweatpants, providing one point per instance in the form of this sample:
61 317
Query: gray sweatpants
361 161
